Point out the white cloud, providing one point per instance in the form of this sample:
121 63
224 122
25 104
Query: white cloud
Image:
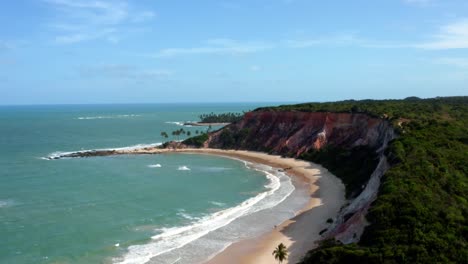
457 62
5 45
143 16
338 40
216 46
80 20
123 72
255 68
418 2
451 36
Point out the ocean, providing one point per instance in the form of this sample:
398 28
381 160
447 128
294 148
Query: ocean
169 208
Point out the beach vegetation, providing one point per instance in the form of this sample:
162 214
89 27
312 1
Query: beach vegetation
421 211
164 134
196 141
221 118
280 253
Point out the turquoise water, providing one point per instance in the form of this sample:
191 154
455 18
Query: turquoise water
117 209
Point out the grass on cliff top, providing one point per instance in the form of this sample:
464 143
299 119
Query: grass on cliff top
440 108
196 141
421 212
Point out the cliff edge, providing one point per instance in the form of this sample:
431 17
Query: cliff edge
312 136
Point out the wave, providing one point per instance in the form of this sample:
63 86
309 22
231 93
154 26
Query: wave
217 203
177 237
106 117
62 154
178 123
181 123
215 169
184 215
154 166
6 203
183 168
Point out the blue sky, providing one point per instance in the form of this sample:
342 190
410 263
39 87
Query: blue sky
103 51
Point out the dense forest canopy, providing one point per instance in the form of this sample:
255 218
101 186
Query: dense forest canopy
220 118
421 213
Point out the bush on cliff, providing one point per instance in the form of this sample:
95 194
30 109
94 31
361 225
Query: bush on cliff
421 212
196 141
353 166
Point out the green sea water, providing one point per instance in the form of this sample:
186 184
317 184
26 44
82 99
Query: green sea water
117 209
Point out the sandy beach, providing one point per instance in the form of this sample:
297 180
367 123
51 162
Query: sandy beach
299 233
327 196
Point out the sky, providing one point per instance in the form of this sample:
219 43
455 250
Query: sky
148 51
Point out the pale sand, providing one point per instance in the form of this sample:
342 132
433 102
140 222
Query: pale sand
299 233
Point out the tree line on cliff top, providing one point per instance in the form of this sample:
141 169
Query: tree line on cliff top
421 212
220 118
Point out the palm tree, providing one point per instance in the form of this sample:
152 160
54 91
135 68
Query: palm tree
280 253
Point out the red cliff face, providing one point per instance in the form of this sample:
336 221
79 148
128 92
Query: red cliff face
293 133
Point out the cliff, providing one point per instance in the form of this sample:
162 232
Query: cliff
303 134
294 133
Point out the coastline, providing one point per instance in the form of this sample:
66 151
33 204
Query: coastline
298 233
206 124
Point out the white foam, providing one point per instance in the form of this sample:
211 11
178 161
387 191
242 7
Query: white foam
215 169
106 117
176 237
6 203
178 123
181 123
183 168
154 166
217 203
61 154
187 216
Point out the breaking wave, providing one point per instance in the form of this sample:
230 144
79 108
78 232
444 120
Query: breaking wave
63 154
106 117
183 168
176 237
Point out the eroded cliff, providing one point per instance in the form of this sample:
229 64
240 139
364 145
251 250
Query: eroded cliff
294 133
304 134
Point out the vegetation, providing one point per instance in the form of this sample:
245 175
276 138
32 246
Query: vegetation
196 141
164 134
421 212
280 253
353 166
221 118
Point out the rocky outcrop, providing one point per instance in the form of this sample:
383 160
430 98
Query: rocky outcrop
294 133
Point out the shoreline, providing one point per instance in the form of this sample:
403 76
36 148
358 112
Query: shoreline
327 196
206 124
299 233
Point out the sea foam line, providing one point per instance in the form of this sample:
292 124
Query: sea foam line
6 203
62 154
106 117
181 123
177 237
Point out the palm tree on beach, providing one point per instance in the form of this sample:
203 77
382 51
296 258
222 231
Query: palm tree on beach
280 253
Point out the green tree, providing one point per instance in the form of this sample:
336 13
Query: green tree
280 253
